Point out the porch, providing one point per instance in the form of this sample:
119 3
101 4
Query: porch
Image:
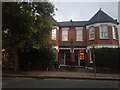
70 58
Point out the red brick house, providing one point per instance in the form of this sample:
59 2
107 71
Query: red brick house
75 38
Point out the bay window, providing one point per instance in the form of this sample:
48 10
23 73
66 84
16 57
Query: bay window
114 32
103 32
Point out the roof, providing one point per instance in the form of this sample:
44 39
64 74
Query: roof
99 17
54 22
72 23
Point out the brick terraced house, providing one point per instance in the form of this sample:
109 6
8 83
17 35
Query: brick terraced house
74 39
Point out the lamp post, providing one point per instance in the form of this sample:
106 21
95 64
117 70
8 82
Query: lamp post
94 60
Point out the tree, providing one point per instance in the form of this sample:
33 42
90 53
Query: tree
25 26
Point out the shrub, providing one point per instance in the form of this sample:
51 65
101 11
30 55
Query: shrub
107 57
36 59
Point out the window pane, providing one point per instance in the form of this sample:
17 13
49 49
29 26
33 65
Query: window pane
91 33
64 35
53 34
103 31
115 33
79 35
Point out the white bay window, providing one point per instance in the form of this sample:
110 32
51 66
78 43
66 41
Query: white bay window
103 32
114 32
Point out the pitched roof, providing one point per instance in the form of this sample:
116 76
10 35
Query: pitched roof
101 17
53 21
72 23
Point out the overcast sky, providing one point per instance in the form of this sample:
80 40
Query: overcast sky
81 11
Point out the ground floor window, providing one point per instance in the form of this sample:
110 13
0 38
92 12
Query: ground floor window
64 57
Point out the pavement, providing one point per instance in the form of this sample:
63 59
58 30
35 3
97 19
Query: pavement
81 74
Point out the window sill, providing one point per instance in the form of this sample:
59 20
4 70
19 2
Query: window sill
115 39
79 40
92 39
104 38
65 41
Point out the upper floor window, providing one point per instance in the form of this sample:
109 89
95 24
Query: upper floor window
114 32
65 34
103 32
53 34
79 35
91 33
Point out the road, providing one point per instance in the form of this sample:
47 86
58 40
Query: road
57 83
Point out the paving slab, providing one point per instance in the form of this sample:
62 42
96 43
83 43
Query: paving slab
64 75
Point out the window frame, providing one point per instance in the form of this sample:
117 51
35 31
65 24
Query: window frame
102 31
114 32
63 30
53 34
79 35
93 32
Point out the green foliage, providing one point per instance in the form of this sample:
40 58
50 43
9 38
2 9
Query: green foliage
7 65
107 57
27 24
36 58
26 27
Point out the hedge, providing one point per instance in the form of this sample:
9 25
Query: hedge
107 57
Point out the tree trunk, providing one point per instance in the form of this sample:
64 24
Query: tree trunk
16 63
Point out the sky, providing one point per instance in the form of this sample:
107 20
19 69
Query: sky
82 11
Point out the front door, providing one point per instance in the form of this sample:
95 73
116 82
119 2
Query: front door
76 53
61 58
82 57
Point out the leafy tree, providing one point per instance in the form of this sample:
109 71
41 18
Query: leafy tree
25 25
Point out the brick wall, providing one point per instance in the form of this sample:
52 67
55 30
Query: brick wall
86 41
97 39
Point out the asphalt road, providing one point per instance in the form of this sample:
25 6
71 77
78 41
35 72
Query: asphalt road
57 83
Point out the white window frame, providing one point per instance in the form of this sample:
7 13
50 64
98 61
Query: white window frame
54 34
91 32
91 61
102 36
64 34
79 35
114 32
